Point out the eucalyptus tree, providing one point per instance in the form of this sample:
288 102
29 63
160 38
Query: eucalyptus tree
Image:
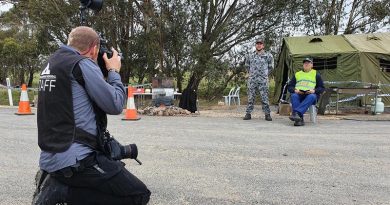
226 71
176 34
147 40
19 59
332 17
368 16
30 58
53 20
120 22
23 58
10 53
219 25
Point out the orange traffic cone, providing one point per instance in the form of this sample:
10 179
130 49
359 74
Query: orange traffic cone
24 103
131 111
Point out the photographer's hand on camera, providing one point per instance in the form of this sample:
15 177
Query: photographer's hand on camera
113 63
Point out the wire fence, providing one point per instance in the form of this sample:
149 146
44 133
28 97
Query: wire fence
356 84
352 84
33 92
10 95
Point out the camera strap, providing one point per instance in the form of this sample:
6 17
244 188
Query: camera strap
100 115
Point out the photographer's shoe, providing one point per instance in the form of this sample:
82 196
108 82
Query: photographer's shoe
49 191
247 116
268 117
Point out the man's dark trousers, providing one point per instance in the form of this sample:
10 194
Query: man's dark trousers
107 183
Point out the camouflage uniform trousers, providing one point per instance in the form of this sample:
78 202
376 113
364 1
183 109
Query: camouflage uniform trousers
263 89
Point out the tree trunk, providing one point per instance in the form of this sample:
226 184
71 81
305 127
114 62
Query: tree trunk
2 75
179 79
125 76
30 78
125 70
205 55
330 18
338 17
141 79
349 29
161 42
194 82
21 76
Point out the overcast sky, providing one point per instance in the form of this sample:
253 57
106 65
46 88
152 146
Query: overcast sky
5 7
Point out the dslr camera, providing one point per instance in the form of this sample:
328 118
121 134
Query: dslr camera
96 5
109 144
116 150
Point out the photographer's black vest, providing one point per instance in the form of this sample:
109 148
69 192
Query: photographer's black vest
56 124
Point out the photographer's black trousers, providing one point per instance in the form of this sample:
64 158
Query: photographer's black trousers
99 180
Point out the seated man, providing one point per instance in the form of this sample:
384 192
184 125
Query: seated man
305 88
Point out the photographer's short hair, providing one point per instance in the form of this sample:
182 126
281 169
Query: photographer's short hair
82 38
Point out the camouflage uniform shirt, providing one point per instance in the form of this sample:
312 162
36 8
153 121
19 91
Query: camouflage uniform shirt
259 65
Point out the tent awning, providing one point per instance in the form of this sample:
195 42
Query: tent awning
309 45
372 43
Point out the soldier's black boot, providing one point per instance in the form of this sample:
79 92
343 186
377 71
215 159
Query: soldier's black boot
247 116
268 117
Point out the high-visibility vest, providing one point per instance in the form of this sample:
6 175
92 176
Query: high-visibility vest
305 80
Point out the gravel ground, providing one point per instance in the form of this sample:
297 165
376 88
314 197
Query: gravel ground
344 113
217 158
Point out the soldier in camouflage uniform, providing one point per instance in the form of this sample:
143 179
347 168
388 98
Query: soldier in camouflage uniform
259 64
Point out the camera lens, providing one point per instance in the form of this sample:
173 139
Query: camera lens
129 151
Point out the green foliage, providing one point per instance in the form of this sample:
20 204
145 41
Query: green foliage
202 44
11 48
15 96
325 17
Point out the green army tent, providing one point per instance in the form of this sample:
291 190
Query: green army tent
339 58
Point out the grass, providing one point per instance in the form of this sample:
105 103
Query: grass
15 96
203 102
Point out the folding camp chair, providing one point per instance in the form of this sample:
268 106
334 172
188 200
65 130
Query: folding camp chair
312 110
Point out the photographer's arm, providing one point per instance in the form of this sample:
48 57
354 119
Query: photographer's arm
110 95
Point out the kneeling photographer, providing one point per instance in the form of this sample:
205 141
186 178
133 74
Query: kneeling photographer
80 161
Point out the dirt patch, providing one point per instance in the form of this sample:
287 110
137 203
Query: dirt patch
316 152
239 112
367 117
